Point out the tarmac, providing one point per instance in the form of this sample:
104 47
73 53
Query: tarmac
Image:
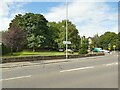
30 63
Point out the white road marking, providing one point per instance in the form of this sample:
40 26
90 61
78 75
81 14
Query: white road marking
15 78
83 68
110 64
77 69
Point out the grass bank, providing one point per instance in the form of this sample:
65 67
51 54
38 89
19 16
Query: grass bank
30 53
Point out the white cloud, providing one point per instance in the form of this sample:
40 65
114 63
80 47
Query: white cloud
8 10
62 0
89 17
56 13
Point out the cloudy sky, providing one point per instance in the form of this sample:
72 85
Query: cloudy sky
90 18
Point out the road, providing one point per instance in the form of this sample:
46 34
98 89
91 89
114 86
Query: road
90 72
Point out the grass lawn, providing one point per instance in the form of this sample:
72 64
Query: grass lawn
30 53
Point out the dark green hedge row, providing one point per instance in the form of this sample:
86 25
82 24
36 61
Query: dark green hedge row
38 58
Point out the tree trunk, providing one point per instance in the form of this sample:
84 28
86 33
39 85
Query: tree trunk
11 50
33 49
17 49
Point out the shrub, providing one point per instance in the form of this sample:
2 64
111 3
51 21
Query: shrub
83 50
5 50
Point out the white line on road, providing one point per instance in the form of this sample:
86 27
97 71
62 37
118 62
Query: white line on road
15 78
116 63
83 68
77 69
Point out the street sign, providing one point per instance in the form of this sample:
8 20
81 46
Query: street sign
66 42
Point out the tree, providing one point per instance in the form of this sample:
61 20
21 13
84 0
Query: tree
14 38
83 46
108 39
4 50
95 40
53 35
34 41
72 35
119 41
35 26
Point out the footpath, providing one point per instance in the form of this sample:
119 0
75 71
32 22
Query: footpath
31 63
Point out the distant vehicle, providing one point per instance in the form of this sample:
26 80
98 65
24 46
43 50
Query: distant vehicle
100 50
61 50
105 51
97 49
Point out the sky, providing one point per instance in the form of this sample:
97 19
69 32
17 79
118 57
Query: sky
90 18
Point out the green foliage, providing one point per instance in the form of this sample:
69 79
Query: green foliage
72 35
5 50
119 41
53 35
108 39
84 46
84 42
34 41
57 34
83 50
35 26
43 34
95 40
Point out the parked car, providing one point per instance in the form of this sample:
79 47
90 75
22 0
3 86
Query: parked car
97 49
100 50
105 51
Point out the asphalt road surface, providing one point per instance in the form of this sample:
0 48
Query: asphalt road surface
90 72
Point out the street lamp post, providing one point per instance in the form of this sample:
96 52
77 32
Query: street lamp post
66 29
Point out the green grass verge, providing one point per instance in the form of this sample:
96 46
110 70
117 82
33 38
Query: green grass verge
29 53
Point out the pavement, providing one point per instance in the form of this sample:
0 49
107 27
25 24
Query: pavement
90 72
30 63
40 62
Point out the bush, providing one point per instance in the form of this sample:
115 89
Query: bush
5 50
83 50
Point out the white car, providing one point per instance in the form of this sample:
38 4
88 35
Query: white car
105 51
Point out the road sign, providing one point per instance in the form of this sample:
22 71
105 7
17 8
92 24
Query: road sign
66 42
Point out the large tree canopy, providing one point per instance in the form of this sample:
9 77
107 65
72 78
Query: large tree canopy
72 35
43 34
108 39
58 34
53 35
33 31
35 25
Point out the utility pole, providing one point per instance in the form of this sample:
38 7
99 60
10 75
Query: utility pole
66 29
